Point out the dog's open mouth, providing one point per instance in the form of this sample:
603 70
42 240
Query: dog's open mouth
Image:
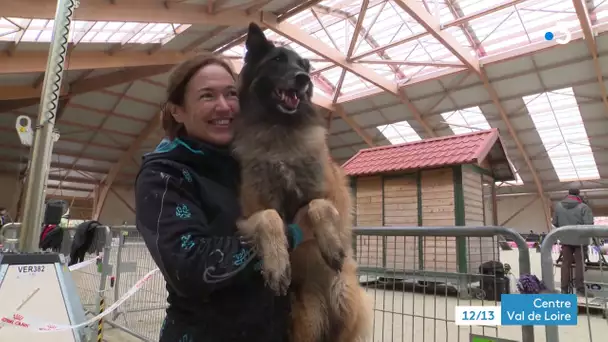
288 100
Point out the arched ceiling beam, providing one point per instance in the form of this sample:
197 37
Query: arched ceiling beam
417 11
583 14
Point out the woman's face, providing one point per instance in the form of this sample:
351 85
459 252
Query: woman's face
210 104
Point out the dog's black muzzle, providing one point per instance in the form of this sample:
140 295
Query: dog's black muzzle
301 80
298 82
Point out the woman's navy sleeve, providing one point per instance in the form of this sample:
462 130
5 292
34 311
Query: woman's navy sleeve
184 244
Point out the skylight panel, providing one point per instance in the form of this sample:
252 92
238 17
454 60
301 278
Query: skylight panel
601 10
333 75
441 11
319 93
466 120
522 24
560 126
399 133
41 30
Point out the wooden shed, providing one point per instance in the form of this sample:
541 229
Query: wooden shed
446 181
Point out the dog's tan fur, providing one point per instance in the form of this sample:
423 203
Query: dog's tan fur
323 298
288 174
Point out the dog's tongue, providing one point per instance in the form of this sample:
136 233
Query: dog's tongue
292 101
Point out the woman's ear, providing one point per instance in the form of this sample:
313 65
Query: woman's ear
178 112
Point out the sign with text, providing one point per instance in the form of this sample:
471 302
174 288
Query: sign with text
477 315
539 309
41 284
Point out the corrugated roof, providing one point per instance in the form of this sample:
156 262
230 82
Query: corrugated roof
470 148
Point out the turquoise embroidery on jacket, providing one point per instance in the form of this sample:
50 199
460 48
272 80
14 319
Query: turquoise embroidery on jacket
187 176
187 242
186 338
240 257
182 211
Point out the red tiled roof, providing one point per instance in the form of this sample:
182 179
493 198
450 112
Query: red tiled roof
467 148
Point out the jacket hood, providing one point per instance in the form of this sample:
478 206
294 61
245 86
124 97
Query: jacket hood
571 202
213 161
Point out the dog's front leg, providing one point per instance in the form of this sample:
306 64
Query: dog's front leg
265 231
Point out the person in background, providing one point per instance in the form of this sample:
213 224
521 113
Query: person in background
4 217
542 237
187 205
569 212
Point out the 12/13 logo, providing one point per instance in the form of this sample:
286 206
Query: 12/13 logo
560 34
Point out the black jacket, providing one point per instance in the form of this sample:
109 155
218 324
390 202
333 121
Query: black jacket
187 205
82 241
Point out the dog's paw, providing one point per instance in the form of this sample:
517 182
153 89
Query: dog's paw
255 228
335 259
276 271
265 230
278 281
322 211
246 228
325 221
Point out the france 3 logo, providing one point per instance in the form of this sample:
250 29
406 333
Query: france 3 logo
559 33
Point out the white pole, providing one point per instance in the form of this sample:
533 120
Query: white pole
44 131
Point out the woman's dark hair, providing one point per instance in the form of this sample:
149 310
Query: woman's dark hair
176 90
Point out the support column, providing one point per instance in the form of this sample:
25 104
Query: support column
44 132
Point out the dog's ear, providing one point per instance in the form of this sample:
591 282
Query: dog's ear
257 45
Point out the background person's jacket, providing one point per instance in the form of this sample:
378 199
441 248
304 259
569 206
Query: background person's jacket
5 220
572 211
187 203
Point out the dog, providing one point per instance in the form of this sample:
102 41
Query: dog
288 176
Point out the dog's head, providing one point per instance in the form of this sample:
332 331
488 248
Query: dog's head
276 76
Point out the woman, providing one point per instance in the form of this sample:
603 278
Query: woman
187 205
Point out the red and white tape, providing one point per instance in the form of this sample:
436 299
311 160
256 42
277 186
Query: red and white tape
17 319
85 263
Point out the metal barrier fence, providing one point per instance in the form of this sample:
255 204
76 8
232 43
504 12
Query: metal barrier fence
9 236
390 262
142 315
125 261
418 275
415 275
437 261
595 276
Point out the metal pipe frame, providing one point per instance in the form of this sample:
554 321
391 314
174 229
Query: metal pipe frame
546 260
